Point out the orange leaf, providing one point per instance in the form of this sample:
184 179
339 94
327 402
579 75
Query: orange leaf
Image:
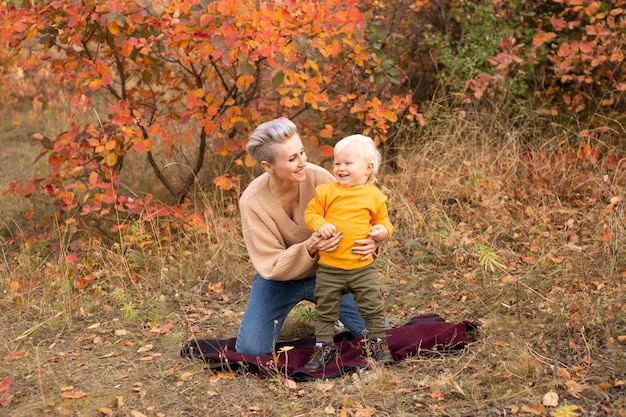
437 395
326 151
73 394
93 179
14 355
563 374
543 37
5 399
584 151
223 182
327 132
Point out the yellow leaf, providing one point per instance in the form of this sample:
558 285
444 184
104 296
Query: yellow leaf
565 411
391 116
249 162
111 159
95 84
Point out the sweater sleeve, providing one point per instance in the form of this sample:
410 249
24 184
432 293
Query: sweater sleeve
276 244
268 251
382 214
314 213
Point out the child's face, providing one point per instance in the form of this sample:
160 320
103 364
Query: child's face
349 170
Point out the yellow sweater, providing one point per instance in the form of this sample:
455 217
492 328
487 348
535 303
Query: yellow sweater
274 241
353 210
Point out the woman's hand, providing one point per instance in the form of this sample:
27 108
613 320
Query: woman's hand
317 243
366 247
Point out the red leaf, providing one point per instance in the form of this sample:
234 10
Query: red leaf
326 151
5 384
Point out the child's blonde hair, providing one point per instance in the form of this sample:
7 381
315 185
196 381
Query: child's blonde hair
364 148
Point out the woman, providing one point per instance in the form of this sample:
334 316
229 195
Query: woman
282 250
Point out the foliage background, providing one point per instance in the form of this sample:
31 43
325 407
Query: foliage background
502 129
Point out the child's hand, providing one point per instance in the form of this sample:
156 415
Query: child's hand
327 230
379 233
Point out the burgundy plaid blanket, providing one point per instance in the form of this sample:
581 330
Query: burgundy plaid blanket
421 334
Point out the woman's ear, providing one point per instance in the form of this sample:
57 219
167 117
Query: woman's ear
267 167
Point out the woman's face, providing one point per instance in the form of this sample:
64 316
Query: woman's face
289 161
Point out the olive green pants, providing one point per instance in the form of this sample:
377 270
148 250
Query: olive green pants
332 283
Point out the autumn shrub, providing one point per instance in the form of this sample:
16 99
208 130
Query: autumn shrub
181 85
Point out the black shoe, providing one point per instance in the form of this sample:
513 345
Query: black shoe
379 351
321 356
471 329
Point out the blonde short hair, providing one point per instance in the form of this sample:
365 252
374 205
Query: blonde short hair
364 148
261 143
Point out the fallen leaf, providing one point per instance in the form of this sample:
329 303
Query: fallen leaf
64 412
5 384
107 411
145 348
365 412
536 409
550 399
15 355
221 375
5 399
325 386
563 374
290 383
437 395
136 413
574 388
75 395
565 411
185 376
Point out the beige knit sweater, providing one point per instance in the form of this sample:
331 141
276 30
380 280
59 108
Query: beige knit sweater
274 241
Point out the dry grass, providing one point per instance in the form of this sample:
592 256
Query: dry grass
484 232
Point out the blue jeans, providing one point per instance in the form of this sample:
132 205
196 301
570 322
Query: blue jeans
268 306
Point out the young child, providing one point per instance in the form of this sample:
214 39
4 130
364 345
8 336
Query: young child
355 208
